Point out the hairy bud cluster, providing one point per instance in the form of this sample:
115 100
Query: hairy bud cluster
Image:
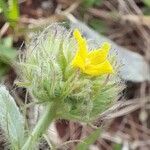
47 72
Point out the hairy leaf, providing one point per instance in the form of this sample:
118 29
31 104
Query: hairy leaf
11 120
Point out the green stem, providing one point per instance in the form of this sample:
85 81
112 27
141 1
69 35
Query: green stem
41 127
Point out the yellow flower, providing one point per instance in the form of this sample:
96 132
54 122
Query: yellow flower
93 62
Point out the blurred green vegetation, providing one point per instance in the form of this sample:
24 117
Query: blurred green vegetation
89 140
98 25
147 3
90 3
95 23
7 54
10 11
146 9
117 146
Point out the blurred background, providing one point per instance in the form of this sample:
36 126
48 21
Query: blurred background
126 23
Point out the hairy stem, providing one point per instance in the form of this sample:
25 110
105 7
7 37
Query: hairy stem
41 127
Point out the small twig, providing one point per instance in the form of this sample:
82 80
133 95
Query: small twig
135 7
123 112
48 141
123 7
137 144
102 14
69 10
4 29
68 142
93 126
115 139
138 20
135 19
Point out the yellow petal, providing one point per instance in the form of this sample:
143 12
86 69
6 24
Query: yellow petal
100 55
95 70
78 62
82 44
